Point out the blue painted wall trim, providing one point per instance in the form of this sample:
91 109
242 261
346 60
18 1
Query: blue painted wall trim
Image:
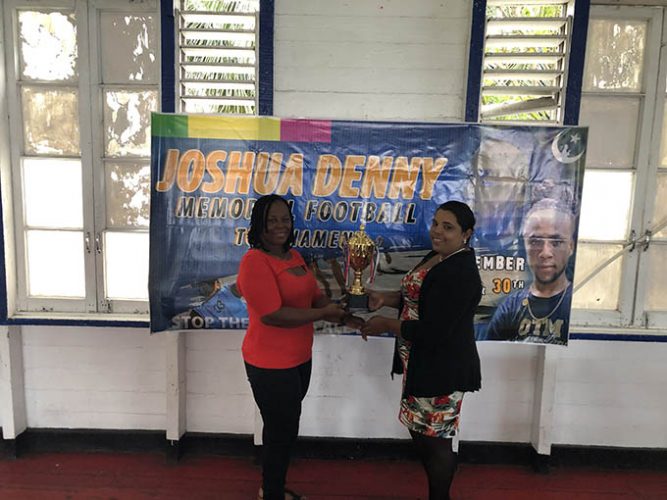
167 60
575 75
76 322
265 74
475 59
638 337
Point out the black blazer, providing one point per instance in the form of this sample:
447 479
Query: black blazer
443 355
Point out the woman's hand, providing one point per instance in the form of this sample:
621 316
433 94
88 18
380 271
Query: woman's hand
376 300
352 321
374 326
335 313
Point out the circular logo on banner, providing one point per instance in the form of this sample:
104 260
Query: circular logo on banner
568 146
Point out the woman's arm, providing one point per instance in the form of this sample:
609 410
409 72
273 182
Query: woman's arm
289 317
321 301
378 300
349 319
259 286
378 325
322 309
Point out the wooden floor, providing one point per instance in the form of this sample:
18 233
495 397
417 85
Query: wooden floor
147 475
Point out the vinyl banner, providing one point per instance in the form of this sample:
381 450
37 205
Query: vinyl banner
523 184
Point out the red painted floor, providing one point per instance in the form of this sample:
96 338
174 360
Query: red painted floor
142 476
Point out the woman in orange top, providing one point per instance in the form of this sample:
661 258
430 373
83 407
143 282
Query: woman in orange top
283 302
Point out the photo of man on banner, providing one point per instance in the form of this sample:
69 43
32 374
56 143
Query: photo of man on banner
540 313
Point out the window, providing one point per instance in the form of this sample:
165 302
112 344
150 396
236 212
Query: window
86 75
622 250
622 239
217 50
525 60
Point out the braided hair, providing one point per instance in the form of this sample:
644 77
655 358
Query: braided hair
260 211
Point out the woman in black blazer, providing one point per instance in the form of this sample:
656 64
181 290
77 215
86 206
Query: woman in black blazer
436 340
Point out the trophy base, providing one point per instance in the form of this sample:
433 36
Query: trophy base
357 303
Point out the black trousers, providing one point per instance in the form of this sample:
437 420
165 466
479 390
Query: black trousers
278 394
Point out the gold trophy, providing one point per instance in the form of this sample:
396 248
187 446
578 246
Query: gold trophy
360 252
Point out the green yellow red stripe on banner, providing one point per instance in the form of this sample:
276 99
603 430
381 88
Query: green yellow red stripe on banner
240 128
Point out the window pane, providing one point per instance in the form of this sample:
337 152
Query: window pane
47 46
128 192
656 296
127 117
128 48
614 54
613 130
239 6
660 210
55 264
51 121
605 205
126 265
602 291
52 193
214 107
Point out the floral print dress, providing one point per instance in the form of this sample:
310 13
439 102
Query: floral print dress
437 416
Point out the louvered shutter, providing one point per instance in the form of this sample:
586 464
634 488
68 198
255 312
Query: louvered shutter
217 56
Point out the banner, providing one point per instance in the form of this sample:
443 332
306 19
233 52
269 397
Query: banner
523 183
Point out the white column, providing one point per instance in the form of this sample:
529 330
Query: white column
545 388
176 390
12 388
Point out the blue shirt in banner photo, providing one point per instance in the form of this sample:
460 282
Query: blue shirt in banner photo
525 317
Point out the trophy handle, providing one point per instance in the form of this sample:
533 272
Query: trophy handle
375 261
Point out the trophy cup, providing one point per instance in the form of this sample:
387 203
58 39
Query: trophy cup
360 252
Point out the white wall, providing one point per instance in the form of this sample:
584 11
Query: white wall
371 59
92 378
606 393
503 409
352 394
218 397
612 394
357 59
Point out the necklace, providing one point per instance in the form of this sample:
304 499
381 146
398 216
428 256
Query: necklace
560 301
448 256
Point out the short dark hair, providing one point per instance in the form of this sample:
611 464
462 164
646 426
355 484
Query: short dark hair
553 204
462 212
260 210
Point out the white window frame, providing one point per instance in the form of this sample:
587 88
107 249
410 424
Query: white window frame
25 303
99 6
91 108
630 313
653 319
